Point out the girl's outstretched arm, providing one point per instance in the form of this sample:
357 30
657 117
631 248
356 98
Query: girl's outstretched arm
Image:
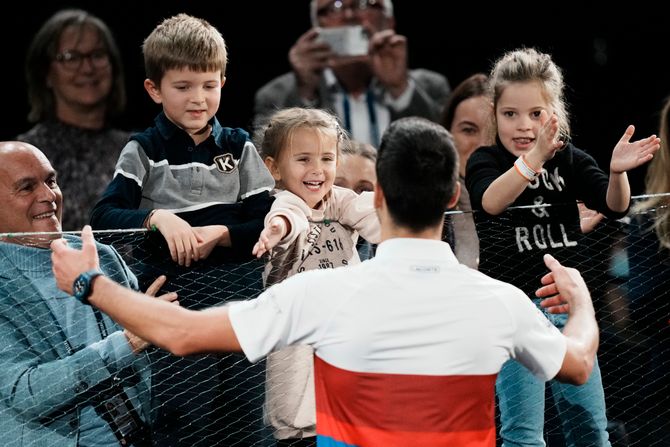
627 156
274 231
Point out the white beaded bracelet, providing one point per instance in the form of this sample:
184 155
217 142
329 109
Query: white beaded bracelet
524 170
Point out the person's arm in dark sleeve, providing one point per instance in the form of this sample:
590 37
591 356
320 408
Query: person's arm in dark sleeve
118 207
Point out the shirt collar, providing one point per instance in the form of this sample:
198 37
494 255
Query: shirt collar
412 249
167 128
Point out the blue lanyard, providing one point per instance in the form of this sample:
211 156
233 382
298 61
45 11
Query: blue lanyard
372 114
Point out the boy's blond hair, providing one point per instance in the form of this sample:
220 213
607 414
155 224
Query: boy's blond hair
184 41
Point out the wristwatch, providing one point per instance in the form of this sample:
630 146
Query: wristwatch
81 287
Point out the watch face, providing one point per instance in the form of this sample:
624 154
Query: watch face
79 286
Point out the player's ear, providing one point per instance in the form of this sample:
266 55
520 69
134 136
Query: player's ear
455 196
379 196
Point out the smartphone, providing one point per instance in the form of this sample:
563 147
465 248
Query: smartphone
345 40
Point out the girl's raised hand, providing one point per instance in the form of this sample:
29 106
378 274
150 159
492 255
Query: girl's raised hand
627 155
546 142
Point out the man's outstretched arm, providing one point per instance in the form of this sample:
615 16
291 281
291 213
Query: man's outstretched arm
565 290
178 330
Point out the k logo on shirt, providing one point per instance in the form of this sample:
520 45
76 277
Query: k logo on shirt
225 163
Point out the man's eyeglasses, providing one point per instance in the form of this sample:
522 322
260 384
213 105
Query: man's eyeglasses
337 7
72 60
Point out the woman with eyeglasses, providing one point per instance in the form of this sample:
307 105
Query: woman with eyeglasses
76 88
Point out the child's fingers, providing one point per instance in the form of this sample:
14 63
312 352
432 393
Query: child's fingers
628 134
181 252
259 249
184 252
173 250
653 139
195 251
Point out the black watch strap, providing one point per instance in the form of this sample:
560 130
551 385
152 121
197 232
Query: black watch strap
82 286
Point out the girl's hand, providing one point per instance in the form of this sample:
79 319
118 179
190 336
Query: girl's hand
627 155
276 229
546 144
588 218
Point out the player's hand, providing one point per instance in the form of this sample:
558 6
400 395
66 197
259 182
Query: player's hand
68 263
563 288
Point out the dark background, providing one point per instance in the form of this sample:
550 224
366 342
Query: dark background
614 69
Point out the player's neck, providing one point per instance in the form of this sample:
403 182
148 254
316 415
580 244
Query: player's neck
392 231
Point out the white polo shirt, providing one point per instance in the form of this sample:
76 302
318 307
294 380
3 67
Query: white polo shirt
407 344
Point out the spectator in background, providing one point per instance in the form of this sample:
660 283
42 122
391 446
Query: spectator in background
75 89
356 171
65 370
467 116
356 167
367 89
649 291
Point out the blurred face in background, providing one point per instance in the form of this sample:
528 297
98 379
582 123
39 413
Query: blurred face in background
81 74
356 172
368 13
471 128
